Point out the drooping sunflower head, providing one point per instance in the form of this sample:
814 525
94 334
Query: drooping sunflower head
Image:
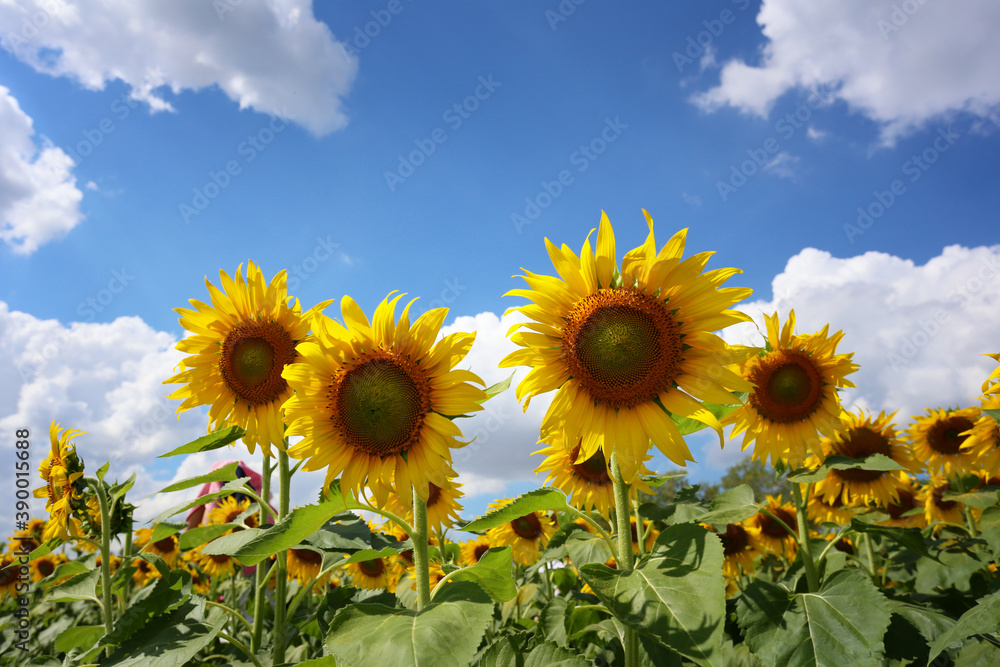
907 510
239 348
374 400
983 441
586 482
626 347
304 564
472 550
229 510
938 439
526 535
795 378
859 437
768 535
937 508
62 471
8 576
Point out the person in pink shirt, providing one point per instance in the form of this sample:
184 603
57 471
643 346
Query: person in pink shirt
197 515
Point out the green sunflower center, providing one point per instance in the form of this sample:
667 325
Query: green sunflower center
789 386
945 435
527 526
623 346
253 356
860 443
381 405
594 470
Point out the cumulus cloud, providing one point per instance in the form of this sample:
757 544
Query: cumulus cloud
899 63
39 200
274 57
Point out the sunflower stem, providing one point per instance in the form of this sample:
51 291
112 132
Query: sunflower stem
241 646
126 552
625 558
281 577
812 577
973 533
107 604
871 558
603 533
261 572
640 529
420 564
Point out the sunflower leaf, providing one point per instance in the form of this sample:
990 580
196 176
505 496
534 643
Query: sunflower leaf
204 534
81 587
993 412
170 638
445 633
372 554
549 654
876 462
545 499
223 474
688 425
984 619
118 491
494 574
910 538
164 530
208 442
731 506
498 388
231 487
103 470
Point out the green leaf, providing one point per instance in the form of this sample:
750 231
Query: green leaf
118 491
253 545
223 474
989 529
687 425
73 567
204 534
103 470
545 499
343 532
325 661
982 619
170 640
170 591
841 624
877 462
79 637
952 569
584 548
372 554
552 621
498 388
208 442
677 596
912 630
731 506
505 651
911 538
164 530
231 487
494 574
445 633
994 412
548 654
81 587
659 480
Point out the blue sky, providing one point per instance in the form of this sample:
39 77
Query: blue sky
496 102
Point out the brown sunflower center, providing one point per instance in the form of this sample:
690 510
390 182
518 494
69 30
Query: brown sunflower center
527 526
46 567
623 346
945 435
480 550
308 556
166 545
253 356
789 387
380 404
772 528
937 497
734 540
860 443
372 568
434 494
906 502
221 559
7 575
594 470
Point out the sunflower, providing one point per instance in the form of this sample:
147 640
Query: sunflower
8 576
373 574
472 550
821 510
983 440
626 349
442 506
936 508
434 572
36 527
144 573
373 400
43 566
403 561
240 346
795 378
25 541
587 483
229 509
994 377
768 535
215 565
61 471
526 535
199 582
115 562
304 564
909 499
651 535
939 440
860 437
739 553
167 548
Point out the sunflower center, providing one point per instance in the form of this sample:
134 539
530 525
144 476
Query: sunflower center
308 556
788 386
623 346
434 494
906 503
861 443
938 497
527 526
734 540
7 576
221 559
253 356
372 568
945 436
594 470
480 550
46 567
381 404
772 528
166 545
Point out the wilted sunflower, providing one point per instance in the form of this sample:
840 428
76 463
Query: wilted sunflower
472 550
626 349
983 441
167 548
373 574
373 400
860 437
908 499
587 483
769 536
937 509
61 471
526 535
229 509
938 439
737 550
442 506
304 564
240 346
795 378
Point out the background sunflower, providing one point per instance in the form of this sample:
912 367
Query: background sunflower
526 535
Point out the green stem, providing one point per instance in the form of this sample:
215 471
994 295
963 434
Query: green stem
639 529
420 564
399 521
973 533
871 557
597 526
232 612
625 558
257 632
281 569
126 552
300 596
107 603
242 647
812 577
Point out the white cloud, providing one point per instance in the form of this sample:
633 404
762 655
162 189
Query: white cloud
274 57
782 165
814 134
899 63
39 200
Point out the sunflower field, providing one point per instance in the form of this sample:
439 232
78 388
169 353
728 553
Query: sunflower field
883 552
